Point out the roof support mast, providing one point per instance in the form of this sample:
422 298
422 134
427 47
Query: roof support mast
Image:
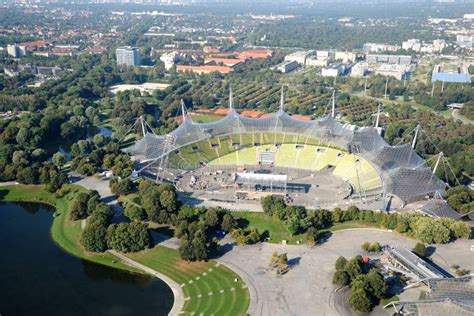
378 117
183 110
142 122
231 100
440 155
282 100
333 103
415 137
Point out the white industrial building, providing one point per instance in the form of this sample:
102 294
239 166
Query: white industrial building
169 59
127 55
389 59
287 66
399 72
300 57
465 41
335 70
360 69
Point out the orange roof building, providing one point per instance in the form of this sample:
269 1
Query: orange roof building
252 114
231 62
206 69
265 53
221 111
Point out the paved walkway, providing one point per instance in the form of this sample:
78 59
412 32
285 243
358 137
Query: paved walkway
175 287
458 116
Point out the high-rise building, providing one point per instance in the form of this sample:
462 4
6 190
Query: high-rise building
127 55
16 51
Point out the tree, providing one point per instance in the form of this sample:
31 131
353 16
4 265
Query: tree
273 204
121 187
377 283
461 229
312 233
228 223
341 278
341 263
429 230
200 247
59 159
186 249
93 238
168 200
134 212
359 300
354 268
211 217
420 249
78 209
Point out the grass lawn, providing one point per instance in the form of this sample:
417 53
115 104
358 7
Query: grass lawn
198 281
267 225
65 233
205 119
277 231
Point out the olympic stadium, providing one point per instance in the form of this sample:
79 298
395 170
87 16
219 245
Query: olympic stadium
316 163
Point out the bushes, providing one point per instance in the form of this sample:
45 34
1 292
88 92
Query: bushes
246 237
368 247
420 250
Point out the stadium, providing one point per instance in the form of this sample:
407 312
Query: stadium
316 163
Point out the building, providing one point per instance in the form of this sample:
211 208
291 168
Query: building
288 66
360 69
451 73
335 70
376 48
412 44
408 261
397 71
16 51
204 69
465 41
300 57
389 59
128 56
230 62
446 296
313 61
345 56
169 59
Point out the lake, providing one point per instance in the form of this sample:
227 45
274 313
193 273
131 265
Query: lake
39 278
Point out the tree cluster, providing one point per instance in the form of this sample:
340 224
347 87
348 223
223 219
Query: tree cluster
423 228
367 285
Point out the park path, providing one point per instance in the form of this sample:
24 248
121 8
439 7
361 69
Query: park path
457 116
175 287
102 187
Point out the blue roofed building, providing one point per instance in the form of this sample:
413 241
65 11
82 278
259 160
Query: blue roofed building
451 73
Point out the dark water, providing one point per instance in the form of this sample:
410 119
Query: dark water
38 278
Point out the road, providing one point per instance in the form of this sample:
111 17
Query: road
307 288
458 116
175 287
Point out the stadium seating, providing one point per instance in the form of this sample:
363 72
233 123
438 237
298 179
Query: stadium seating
359 172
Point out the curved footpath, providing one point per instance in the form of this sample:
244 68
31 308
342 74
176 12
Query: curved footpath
175 287
107 196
